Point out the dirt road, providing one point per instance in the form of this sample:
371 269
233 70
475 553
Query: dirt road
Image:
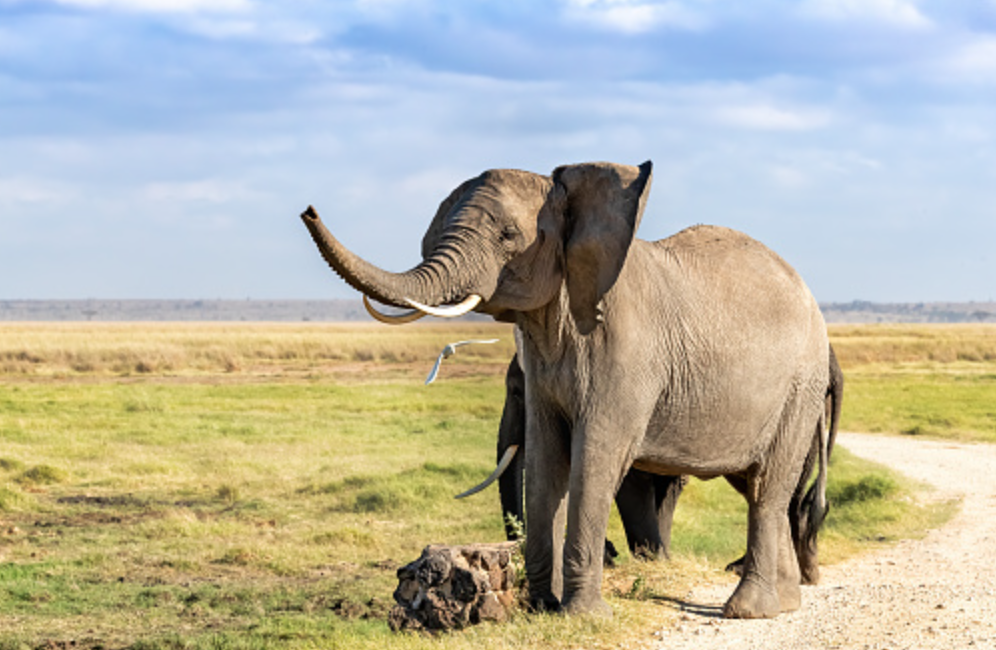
938 592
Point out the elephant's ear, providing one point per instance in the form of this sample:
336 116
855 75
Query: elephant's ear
604 206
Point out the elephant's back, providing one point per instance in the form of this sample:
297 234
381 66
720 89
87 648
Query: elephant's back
732 271
718 244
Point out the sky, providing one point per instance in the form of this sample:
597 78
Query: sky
165 148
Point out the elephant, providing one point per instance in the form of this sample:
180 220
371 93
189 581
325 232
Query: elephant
703 353
646 502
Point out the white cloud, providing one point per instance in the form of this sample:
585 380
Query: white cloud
205 191
901 13
974 62
256 30
633 16
162 6
28 190
765 117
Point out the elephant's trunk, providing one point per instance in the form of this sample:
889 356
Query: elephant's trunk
432 282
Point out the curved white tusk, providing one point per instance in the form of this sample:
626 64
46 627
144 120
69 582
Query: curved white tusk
400 319
453 311
502 466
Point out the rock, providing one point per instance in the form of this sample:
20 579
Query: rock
451 587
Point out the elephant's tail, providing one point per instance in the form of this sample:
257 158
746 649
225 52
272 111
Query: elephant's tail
814 505
835 398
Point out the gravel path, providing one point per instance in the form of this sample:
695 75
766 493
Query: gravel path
938 592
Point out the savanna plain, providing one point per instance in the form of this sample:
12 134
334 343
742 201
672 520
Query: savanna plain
257 485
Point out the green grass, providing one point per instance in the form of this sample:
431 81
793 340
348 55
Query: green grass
269 505
929 380
960 406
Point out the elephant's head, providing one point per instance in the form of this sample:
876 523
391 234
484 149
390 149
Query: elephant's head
507 241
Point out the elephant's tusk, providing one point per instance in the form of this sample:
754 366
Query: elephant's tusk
502 466
399 319
453 311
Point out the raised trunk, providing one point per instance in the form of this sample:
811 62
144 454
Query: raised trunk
432 282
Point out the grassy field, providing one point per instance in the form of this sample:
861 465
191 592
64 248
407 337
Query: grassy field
934 380
253 486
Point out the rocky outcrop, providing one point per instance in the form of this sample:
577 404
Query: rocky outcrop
451 587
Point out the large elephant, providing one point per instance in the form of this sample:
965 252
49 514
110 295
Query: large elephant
702 354
646 502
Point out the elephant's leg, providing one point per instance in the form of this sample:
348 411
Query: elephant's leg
512 431
789 594
596 473
548 466
667 489
636 501
771 569
739 483
756 596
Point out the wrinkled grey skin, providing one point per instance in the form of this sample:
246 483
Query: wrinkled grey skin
712 345
646 502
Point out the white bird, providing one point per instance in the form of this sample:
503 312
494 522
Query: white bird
447 352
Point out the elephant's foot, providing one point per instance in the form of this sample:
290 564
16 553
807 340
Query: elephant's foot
586 603
752 600
649 552
810 575
809 568
609 558
544 603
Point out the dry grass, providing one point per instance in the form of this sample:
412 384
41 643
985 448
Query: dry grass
130 349
858 345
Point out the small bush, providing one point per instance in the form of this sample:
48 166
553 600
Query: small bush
42 475
867 488
228 493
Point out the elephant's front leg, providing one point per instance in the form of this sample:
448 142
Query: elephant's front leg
547 474
597 469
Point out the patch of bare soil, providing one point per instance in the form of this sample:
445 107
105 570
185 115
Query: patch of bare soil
936 592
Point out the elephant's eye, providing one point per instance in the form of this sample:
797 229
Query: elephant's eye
509 233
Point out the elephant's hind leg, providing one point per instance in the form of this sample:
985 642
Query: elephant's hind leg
637 504
771 570
789 593
763 592
757 594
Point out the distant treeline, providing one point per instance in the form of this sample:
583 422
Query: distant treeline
861 311
186 310
858 311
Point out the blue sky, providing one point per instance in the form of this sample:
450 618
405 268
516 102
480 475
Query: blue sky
164 148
